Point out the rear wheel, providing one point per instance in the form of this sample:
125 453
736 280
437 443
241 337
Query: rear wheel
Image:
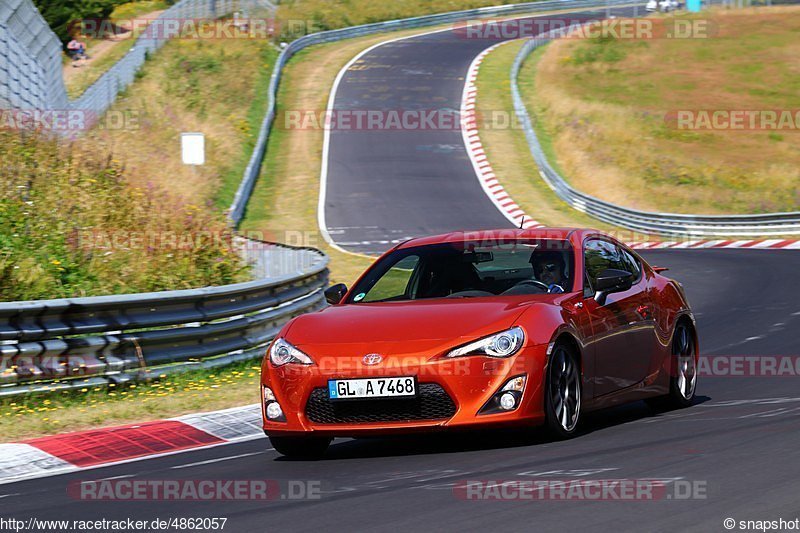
563 393
683 375
301 447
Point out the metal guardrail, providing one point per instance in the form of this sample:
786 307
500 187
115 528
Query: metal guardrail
239 204
84 342
643 221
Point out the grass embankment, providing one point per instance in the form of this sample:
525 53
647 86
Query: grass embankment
153 155
215 87
73 222
601 106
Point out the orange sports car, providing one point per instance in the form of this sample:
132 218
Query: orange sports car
481 329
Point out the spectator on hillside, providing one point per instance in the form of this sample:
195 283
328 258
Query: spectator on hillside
76 49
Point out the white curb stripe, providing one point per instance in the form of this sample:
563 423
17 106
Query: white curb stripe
480 163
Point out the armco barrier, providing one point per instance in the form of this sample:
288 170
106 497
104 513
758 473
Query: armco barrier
642 221
82 342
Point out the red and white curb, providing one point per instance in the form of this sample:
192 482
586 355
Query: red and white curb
762 244
69 452
483 169
513 212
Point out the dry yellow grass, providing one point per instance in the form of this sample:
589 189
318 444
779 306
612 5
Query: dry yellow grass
213 87
604 102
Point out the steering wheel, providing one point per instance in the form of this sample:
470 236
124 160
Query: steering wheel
534 282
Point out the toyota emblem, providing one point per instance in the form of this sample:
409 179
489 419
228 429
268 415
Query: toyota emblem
372 359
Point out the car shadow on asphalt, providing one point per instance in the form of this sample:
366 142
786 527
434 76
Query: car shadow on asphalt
480 440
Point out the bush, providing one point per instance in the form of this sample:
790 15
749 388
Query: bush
72 225
61 14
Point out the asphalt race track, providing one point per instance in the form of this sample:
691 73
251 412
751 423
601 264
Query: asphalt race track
739 442
385 186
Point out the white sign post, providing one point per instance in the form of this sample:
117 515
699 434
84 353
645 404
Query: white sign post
193 148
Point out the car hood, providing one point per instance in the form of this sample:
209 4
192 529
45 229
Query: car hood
402 327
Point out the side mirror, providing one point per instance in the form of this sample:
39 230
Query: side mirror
610 281
335 293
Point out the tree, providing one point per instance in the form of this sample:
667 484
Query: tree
62 15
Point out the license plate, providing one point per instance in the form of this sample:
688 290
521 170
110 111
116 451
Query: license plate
347 389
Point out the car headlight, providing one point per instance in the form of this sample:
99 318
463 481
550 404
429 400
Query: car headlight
503 344
281 353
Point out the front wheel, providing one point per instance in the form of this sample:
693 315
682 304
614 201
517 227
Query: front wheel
683 371
563 393
301 447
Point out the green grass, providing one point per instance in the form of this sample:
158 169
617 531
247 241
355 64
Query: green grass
255 115
138 8
171 395
218 88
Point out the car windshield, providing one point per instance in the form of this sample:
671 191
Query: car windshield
468 270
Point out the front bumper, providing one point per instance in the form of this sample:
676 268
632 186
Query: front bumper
468 382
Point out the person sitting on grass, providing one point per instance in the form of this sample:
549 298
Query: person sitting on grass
76 49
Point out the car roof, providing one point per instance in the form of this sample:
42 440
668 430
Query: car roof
495 235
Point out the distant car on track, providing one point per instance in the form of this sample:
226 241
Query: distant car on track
663 5
482 329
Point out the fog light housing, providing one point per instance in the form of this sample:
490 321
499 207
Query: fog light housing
272 409
507 401
507 398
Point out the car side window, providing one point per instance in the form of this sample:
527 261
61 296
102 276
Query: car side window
395 283
632 263
600 255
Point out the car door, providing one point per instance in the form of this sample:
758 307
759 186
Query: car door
622 328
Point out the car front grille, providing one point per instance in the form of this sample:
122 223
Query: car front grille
431 403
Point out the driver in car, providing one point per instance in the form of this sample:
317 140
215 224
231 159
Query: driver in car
549 268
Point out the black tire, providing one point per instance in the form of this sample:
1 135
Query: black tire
562 394
301 447
683 371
